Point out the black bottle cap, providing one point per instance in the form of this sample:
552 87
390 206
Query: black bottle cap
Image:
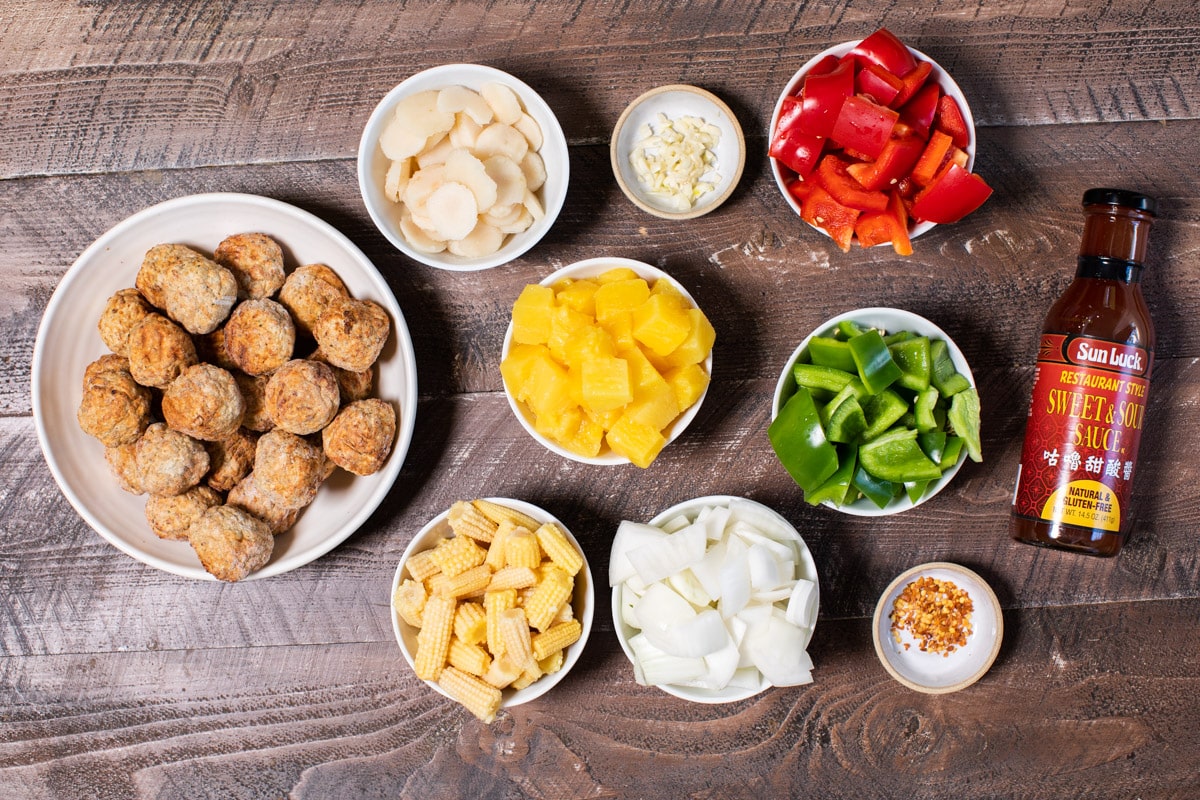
1120 197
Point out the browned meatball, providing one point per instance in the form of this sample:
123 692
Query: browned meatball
159 351
171 516
230 542
360 437
352 333
307 292
193 290
231 459
246 495
210 347
259 336
254 392
122 461
123 310
114 408
255 261
351 385
204 402
302 396
169 462
287 469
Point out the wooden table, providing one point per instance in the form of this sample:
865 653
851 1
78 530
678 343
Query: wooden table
118 680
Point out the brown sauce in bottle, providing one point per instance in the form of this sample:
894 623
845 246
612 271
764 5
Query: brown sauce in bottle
1090 389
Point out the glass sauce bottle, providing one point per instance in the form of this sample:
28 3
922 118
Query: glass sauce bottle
1089 390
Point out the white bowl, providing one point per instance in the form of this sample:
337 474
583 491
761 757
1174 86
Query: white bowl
373 164
68 341
783 175
890 320
584 601
675 101
590 268
934 673
806 568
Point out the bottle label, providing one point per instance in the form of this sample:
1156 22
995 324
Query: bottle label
1081 438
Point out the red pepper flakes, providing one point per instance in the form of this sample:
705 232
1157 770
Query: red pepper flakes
936 613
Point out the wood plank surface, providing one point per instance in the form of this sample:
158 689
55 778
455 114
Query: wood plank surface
121 681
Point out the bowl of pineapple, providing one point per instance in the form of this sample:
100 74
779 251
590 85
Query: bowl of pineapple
607 361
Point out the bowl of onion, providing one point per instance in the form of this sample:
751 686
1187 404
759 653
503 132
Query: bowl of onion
714 600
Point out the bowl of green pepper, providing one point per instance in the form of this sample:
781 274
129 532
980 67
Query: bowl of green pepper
875 412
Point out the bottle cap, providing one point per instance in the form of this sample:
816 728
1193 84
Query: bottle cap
1120 197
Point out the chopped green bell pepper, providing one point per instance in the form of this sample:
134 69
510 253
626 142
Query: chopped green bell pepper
849 329
837 486
897 457
964 418
825 351
951 452
898 336
811 376
876 367
945 377
913 357
882 411
924 407
878 491
800 443
915 489
933 444
847 422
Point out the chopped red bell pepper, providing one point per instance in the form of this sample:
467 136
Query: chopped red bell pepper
821 210
901 242
930 163
889 226
883 48
800 189
954 194
950 119
793 147
823 67
822 98
833 175
920 111
864 126
896 161
913 83
878 84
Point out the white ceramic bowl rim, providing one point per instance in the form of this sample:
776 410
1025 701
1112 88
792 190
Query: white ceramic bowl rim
372 164
588 268
891 320
944 80
624 632
53 405
584 600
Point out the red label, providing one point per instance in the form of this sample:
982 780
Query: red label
1081 438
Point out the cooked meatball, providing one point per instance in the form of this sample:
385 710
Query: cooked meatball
287 469
230 459
192 289
230 542
351 385
210 347
122 461
169 462
114 408
259 336
307 292
204 402
254 392
256 262
302 396
171 516
159 351
246 495
360 437
123 310
352 333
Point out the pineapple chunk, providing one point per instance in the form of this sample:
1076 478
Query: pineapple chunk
547 391
531 315
620 327
619 296
587 439
667 288
586 344
579 295
688 382
696 345
661 323
565 322
617 274
517 364
561 425
642 371
606 384
656 406
640 443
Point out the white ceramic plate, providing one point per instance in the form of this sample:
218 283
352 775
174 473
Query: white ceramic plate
806 568
373 164
783 175
590 268
68 341
930 672
890 320
675 101
584 601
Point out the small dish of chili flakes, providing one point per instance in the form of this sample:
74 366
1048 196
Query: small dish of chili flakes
938 628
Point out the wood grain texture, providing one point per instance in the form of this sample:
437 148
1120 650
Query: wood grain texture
117 680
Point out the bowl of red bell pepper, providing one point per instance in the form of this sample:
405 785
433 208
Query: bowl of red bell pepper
872 141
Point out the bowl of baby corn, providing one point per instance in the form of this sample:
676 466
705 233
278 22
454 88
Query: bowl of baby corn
492 603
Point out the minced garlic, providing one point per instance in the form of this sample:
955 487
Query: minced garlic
675 159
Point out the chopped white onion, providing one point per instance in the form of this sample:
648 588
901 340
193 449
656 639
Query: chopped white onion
662 558
630 535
